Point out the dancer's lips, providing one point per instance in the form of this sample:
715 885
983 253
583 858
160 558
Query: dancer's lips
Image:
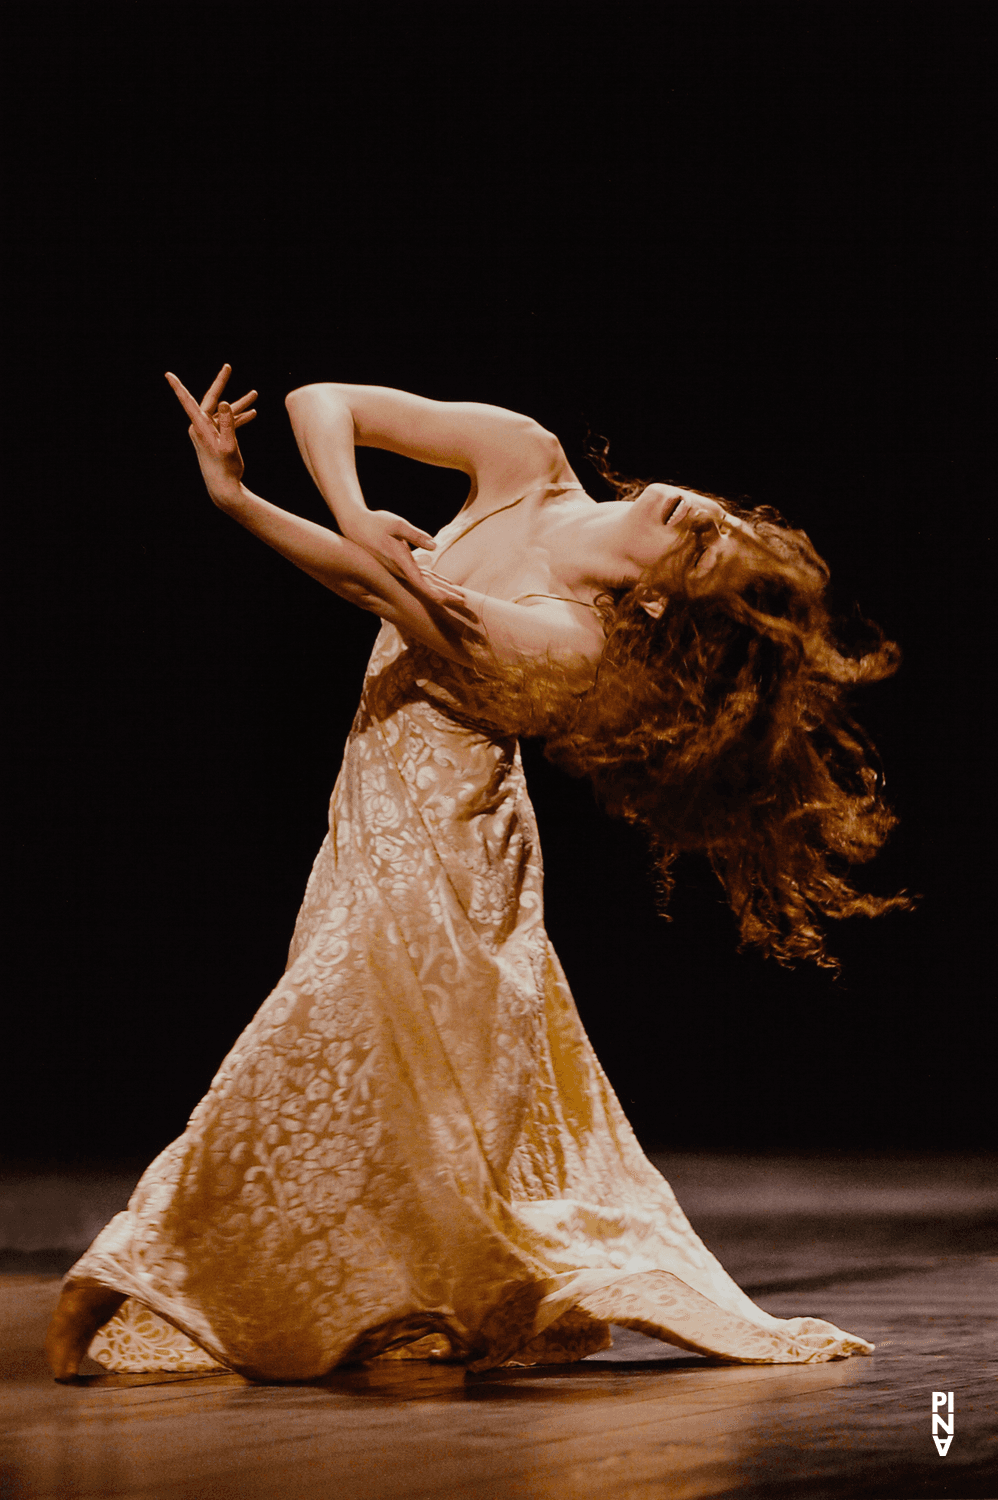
670 507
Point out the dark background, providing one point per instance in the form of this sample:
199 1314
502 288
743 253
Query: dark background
743 240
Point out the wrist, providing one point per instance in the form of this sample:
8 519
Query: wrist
229 497
350 514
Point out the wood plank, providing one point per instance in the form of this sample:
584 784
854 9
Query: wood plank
617 1427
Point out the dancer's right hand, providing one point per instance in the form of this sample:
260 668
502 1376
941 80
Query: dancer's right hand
213 433
388 538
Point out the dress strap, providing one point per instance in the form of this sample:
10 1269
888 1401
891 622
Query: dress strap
563 598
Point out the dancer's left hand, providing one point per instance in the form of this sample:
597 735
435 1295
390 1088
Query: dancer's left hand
213 433
452 596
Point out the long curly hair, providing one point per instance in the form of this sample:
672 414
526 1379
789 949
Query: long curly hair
723 726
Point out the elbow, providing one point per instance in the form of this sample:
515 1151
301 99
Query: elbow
299 397
314 407
308 395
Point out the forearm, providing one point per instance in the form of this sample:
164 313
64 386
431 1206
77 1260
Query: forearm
343 567
324 429
482 628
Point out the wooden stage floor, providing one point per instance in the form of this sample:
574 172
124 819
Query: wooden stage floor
901 1251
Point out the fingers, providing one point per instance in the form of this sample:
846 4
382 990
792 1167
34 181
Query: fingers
405 565
402 565
415 537
199 421
421 578
443 583
400 561
443 591
201 413
216 388
226 425
182 394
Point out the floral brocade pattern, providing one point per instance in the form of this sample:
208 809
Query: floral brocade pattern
412 1151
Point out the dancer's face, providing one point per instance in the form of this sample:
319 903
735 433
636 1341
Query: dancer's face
697 535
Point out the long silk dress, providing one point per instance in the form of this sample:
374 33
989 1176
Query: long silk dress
412 1148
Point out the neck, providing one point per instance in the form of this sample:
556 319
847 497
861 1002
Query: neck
587 547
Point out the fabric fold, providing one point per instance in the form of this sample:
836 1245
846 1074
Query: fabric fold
412 1146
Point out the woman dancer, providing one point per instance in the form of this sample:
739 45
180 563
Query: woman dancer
412 1147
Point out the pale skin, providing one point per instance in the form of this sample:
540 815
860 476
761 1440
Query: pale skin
557 541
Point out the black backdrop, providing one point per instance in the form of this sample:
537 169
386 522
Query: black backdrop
743 240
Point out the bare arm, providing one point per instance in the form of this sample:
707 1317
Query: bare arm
503 453
341 565
466 626
350 571
458 623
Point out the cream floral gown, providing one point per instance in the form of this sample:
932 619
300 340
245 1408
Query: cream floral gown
412 1147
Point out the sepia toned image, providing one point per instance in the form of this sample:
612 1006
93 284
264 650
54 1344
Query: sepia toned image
497 871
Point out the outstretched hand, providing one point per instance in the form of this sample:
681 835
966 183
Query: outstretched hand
385 536
213 433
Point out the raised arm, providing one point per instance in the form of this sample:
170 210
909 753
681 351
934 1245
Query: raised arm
341 565
458 623
503 454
